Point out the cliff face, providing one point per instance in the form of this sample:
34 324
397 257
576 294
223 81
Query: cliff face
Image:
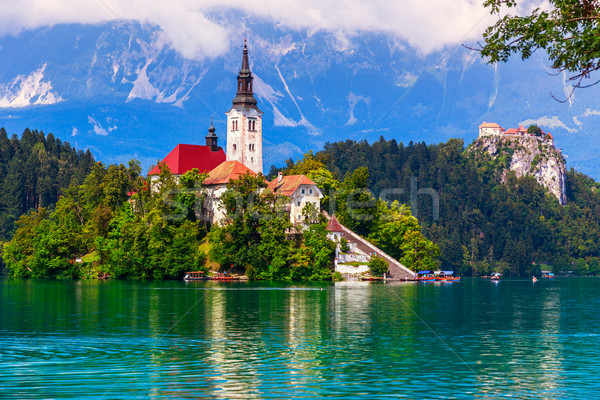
527 155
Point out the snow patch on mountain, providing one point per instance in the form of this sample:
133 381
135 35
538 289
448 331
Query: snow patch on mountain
280 120
264 91
28 90
353 100
312 129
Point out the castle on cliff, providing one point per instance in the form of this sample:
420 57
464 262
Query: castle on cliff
493 129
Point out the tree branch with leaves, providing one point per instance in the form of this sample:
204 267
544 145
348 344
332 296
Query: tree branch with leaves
568 30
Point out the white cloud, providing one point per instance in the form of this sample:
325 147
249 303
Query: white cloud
547 122
191 27
75 132
589 112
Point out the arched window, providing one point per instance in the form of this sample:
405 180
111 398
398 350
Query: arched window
234 147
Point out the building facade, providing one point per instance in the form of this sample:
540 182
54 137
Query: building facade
244 122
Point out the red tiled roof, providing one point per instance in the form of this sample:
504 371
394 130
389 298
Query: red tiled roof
511 131
550 136
288 184
333 225
489 125
227 171
185 157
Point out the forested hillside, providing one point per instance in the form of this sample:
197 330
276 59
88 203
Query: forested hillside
481 224
33 172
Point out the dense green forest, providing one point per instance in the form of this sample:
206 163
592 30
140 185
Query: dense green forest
33 172
120 224
481 225
152 236
468 220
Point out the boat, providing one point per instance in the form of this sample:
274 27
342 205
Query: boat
495 276
195 276
224 277
372 278
425 276
446 276
547 275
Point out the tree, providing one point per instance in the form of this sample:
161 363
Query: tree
378 266
567 30
535 130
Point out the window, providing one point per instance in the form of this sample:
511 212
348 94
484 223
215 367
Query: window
299 217
234 125
298 203
234 147
252 125
310 191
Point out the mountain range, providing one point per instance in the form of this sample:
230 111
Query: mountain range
120 90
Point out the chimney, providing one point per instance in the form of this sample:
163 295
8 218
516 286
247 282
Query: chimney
279 177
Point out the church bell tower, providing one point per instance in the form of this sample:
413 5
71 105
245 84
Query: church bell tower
244 122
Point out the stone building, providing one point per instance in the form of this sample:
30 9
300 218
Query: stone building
300 191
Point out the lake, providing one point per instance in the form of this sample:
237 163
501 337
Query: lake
474 338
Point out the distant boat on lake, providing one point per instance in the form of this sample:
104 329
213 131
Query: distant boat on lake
547 275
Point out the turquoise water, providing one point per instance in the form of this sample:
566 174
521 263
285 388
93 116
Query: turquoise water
466 339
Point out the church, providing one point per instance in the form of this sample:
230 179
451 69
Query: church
244 155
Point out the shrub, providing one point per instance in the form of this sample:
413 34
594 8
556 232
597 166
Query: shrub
378 266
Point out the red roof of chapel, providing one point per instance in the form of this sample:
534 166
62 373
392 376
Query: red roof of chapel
227 171
185 157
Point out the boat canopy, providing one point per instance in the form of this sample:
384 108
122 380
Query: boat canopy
444 273
424 272
496 274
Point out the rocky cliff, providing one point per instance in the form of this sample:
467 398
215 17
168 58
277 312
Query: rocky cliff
527 155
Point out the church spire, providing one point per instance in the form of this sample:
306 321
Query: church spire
244 98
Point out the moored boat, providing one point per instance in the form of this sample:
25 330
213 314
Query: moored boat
547 275
446 276
195 276
224 277
495 276
425 276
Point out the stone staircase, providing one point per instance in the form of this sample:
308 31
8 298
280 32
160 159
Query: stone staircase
397 271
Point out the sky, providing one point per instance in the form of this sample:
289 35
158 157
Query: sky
192 28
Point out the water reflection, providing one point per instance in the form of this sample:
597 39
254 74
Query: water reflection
248 340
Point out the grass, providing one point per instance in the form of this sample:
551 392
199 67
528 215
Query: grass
353 263
205 247
91 257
